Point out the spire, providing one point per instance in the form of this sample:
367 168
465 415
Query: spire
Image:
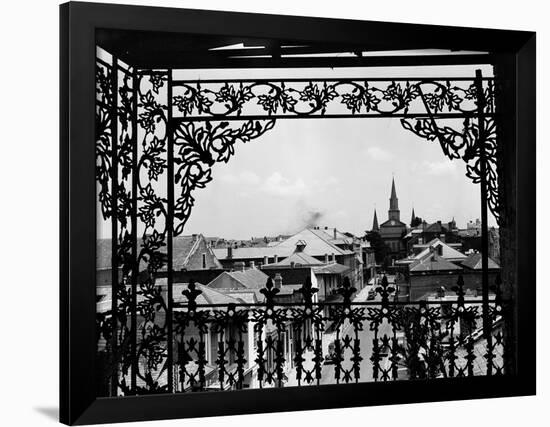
375 222
413 216
393 212
393 193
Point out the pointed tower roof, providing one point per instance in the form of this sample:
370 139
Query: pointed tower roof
393 198
375 222
393 193
413 216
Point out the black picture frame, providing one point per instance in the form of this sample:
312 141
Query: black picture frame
514 51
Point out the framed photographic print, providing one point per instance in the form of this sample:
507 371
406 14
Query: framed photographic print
297 212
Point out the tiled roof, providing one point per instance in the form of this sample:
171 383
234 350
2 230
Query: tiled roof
474 262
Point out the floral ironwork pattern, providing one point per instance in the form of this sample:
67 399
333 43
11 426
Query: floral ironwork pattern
198 146
466 144
204 99
139 126
425 106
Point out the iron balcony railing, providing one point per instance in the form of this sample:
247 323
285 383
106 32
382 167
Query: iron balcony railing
277 344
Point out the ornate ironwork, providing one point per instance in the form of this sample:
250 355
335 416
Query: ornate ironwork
156 137
200 100
198 147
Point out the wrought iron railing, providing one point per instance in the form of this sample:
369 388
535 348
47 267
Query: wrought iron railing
277 344
157 140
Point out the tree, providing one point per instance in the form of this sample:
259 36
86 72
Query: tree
378 246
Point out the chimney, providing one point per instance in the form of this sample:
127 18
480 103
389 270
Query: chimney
292 264
334 233
276 259
252 265
442 237
278 280
333 257
230 251
300 245
266 260
240 266
326 258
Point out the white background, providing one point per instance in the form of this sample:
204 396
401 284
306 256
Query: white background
29 215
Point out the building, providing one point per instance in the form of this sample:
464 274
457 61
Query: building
393 230
193 259
436 266
423 233
326 245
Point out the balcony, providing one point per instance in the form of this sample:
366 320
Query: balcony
277 344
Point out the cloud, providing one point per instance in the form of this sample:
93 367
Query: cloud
279 185
378 154
444 167
242 178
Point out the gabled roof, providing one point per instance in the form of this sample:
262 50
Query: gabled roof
329 233
448 252
248 296
300 259
318 244
433 262
333 268
473 262
183 248
208 295
436 227
250 279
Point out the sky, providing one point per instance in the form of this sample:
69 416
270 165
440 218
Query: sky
336 171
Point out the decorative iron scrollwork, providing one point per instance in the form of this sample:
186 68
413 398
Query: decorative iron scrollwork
203 99
198 147
138 129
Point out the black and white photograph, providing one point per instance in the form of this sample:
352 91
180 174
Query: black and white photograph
274 213
290 227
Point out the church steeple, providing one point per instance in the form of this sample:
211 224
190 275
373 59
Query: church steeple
413 216
393 197
393 212
375 222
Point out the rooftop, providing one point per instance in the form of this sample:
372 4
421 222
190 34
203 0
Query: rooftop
473 262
